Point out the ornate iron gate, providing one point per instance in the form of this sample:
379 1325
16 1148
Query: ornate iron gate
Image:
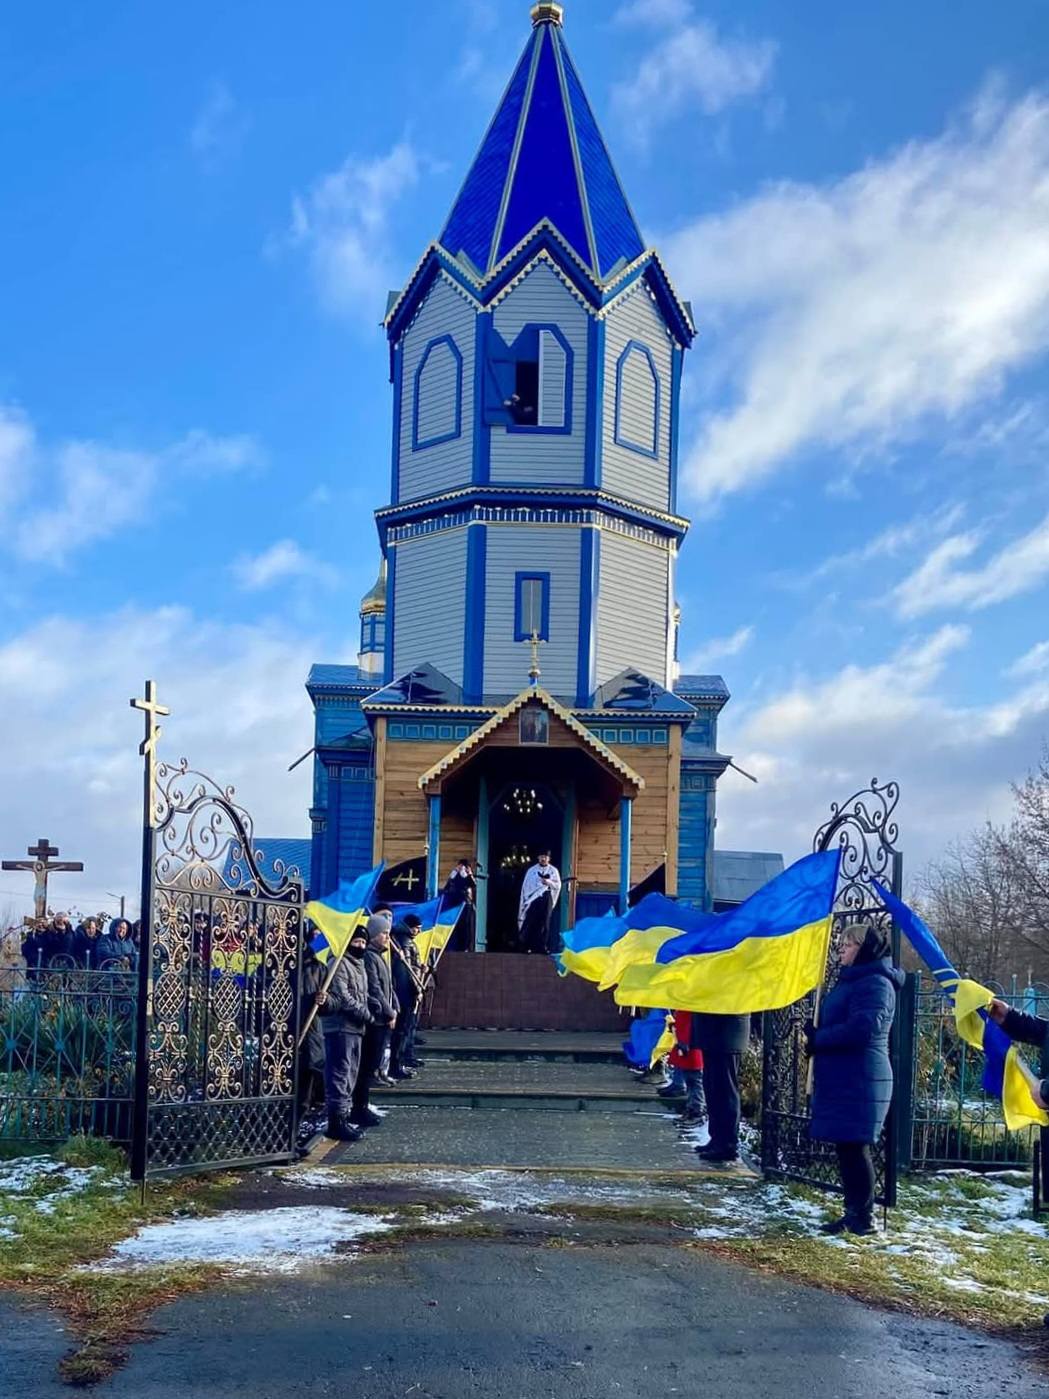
218 998
865 828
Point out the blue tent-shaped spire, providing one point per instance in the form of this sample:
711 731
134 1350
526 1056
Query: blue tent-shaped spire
543 157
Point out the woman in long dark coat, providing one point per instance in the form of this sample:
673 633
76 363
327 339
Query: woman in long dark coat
852 1086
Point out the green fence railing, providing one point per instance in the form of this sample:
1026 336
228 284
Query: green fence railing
953 1122
67 1054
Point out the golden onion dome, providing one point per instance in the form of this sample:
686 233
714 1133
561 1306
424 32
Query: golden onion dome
375 600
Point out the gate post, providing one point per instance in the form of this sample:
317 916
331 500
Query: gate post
905 1068
143 1006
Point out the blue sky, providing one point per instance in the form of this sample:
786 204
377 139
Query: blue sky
204 209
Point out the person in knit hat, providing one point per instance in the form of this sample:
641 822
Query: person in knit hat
382 1008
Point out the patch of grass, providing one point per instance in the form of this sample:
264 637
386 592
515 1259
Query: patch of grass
919 1282
57 1235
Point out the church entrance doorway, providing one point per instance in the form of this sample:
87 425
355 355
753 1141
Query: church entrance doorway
524 819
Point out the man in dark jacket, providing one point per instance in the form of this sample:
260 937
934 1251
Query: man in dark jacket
407 969
382 1009
85 944
1025 1029
345 1020
59 943
722 1039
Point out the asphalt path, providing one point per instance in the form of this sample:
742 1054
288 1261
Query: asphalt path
505 1320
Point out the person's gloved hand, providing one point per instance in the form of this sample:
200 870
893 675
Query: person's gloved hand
809 1031
682 1049
1041 1093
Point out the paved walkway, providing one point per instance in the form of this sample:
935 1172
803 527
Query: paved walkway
494 1320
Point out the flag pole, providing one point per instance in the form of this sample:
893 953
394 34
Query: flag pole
810 1072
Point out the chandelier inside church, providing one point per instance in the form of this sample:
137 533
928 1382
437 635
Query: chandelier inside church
523 803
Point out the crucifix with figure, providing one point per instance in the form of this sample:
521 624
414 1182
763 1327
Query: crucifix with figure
42 864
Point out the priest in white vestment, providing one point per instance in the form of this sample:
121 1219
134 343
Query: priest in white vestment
540 892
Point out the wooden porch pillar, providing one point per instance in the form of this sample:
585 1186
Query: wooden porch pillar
626 813
433 845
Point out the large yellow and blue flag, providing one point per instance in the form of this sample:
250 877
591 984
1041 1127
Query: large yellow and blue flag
587 946
437 921
1005 1075
763 955
338 914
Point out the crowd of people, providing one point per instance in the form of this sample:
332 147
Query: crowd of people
362 1015
97 943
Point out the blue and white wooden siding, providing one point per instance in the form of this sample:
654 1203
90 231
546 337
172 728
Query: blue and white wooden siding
539 457
432 382
638 390
543 549
633 612
430 603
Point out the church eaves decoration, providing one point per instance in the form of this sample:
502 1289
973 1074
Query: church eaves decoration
534 692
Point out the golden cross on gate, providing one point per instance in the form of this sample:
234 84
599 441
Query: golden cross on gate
153 708
42 865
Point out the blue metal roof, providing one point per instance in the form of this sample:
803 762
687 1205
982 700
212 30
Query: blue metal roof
335 675
694 687
740 873
290 852
424 685
543 158
633 691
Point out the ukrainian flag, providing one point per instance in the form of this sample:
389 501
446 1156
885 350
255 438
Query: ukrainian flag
588 945
337 915
763 955
438 925
1005 1075
654 921
651 1036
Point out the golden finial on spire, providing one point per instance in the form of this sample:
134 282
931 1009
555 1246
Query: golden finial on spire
548 12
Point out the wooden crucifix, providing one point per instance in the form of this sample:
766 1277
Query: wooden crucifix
42 864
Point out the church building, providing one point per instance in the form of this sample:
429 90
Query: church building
517 687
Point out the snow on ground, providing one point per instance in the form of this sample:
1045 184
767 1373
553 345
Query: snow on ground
42 1182
247 1241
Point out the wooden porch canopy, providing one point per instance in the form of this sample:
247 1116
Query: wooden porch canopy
565 732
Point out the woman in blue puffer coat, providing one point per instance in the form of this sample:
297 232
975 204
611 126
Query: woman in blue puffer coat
852 1086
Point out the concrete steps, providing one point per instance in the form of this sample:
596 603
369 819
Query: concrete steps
507 1071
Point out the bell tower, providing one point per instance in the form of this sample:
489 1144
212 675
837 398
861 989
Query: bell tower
536 357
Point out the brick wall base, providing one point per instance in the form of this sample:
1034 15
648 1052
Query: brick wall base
504 991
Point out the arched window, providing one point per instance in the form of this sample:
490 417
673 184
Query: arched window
437 409
637 400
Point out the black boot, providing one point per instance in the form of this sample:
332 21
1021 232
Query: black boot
860 1223
341 1129
365 1117
835 1226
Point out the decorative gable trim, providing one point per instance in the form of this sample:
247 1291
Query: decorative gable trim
587 739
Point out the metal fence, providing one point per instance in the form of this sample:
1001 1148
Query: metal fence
954 1123
67 1054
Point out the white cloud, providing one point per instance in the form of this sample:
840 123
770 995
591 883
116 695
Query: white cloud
670 13
864 308
939 581
717 649
280 563
219 127
692 67
94 490
69 743
1032 662
826 736
889 543
343 224
17 443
